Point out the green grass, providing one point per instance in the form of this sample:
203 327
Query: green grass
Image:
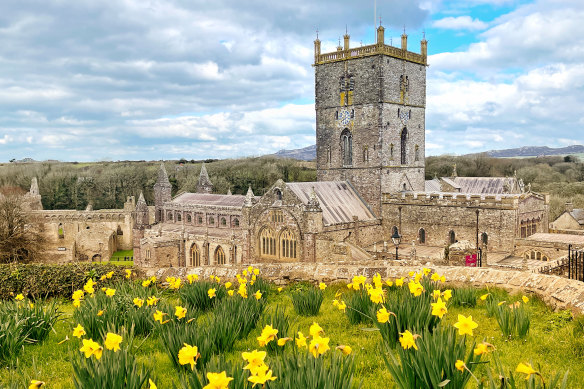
120 255
549 343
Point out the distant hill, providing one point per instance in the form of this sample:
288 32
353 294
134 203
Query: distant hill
535 151
305 154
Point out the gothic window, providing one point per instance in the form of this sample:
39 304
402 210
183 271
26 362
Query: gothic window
337 115
417 153
287 244
148 254
211 220
169 216
485 238
189 218
352 114
422 236
223 222
119 231
61 231
452 237
404 139
219 256
394 230
267 243
347 147
200 219
278 194
236 222
195 255
277 217
178 217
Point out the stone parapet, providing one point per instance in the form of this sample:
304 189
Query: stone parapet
558 292
453 199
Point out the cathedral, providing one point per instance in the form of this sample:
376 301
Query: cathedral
370 138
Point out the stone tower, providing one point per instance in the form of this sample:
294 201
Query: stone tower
162 192
141 221
204 185
370 117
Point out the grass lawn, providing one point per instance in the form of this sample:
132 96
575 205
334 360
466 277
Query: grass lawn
550 343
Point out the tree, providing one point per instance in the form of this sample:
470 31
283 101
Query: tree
20 238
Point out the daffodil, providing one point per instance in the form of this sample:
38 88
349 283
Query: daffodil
376 295
262 377
439 308
435 277
525 299
35 384
389 283
447 294
138 302
415 288
322 286
465 325
526 368
256 272
211 293
383 315
315 330
112 341
484 296
408 340
128 273
152 384
436 293
346 350
218 381
228 285
146 283
301 340
399 282
79 331
110 274
100 312
426 271
158 316
110 292
268 334
482 348
180 312
88 287
460 365
318 346
442 279
342 306
242 291
258 295
280 289
254 359
377 280
91 348
152 300
188 355
230 292
78 295
19 297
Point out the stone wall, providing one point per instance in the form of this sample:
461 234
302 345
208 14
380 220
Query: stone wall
558 292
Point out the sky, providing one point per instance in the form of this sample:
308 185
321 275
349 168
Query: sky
92 80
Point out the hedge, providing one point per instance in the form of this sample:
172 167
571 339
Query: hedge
44 280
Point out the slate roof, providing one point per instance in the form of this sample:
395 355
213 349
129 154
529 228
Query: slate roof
338 200
206 199
432 185
578 214
486 185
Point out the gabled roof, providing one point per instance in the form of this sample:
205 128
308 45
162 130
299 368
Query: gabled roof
338 200
432 185
578 215
206 199
486 185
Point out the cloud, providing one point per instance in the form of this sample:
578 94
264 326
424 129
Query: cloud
460 23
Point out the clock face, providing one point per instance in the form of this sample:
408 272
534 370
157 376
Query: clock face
344 117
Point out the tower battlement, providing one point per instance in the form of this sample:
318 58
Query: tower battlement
506 201
345 53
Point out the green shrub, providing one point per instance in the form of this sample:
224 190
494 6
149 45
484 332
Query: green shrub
307 301
433 364
501 380
44 281
261 284
12 338
359 309
278 319
196 295
217 364
464 297
246 312
513 321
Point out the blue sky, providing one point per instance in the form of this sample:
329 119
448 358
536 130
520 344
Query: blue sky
151 79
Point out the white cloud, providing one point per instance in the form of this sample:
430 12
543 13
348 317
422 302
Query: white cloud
460 23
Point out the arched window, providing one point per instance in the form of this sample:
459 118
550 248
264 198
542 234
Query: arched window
394 230
452 237
211 220
287 244
267 243
61 231
223 222
485 238
195 255
278 194
169 216
417 153
404 139
206 248
189 218
422 236
219 256
347 147
178 217
200 220
236 223
119 231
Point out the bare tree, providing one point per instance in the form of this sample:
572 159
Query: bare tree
20 238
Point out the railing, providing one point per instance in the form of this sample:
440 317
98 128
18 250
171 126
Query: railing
575 264
370 50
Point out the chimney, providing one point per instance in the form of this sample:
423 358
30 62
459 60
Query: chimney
569 206
424 48
316 50
346 41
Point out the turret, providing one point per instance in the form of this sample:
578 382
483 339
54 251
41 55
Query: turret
141 212
162 192
248 197
404 41
204 185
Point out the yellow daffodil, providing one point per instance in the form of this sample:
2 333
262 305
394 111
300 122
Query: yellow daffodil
35 384
228 285
258 295
465 325
376 295
152 300
88 287
389 283
318 346
254 359
346 350
91 348
399 282
418 277
484 296
443 279
103 278
342 306
112 341
280 289
152 384
76 303
242 291
526 368
211 293
411 273
315 330
180 312
146 283
447 294
110 292
19 297
138 302
435 277
377 280
78 295
501 303
79 331
408 340
192 278
100 312
415 288
426 271
350 285
158 316
301 340
525 299
217 279
482 348
110 274
268 334
436 293
244 273
282 341
230 292
188 355
439 308
218 381
322 286
383 315
262 376
460 365
256 272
